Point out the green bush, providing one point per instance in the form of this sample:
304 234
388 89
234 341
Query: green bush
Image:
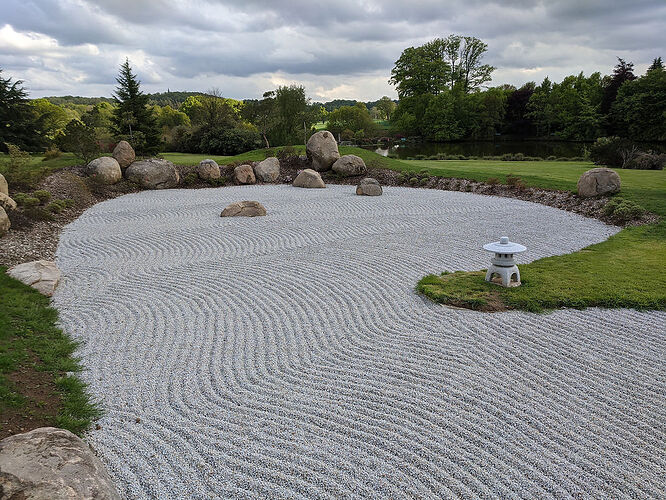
286 152
190 179
647 161
219 181
622 211
413 180
609 151
56 206
37 213
30 201
19 198
42 195
424 181
51 154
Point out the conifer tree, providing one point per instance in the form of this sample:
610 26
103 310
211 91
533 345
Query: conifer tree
132 118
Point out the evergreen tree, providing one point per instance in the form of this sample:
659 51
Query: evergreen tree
132 118
657 64
18 120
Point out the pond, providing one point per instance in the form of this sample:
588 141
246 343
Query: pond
543 149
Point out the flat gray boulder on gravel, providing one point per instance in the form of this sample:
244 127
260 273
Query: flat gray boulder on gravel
4 187
244 209
268 170
598 181
350 165
6 202
369 187
308 178
49 463
153 173
208 169
322 150
4 222
105 170
243 174
42 275
124 154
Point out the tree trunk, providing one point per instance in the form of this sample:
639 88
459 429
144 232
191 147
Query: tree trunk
266 140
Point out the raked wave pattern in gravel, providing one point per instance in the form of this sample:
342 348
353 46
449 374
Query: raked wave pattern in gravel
288 356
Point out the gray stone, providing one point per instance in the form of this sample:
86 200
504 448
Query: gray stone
105 170
369 187
42 275
49 463
124 154
268 170
6 202
208 169
4 187
598 181
153 174
349 166
244 209
308 178
4 222
243 174
322 150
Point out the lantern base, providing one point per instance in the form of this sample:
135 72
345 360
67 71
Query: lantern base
505 274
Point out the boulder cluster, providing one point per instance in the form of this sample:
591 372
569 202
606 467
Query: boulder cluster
6 203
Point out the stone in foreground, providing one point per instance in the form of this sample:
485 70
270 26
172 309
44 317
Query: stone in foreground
208 169
4 222
308 178
243 174
6 202
4 187
153 174
42 275
369 187
244 209
124 154
268 170
322 150
105 170
49 463
349 166
598 181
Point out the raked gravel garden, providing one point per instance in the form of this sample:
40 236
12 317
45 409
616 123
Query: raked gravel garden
289 356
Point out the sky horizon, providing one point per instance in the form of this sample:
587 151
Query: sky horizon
337 50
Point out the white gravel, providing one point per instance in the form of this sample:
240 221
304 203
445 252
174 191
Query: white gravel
288 356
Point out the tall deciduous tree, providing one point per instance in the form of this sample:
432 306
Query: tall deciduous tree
132 116
386 106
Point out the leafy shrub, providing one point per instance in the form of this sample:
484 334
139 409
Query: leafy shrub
424 181
647 161
611 151
42 195
622 211
80 139
18 159
228 141
51 154
190 178
30 201
37 213
219 181
68 202
286 152
56 206
19 198
413 180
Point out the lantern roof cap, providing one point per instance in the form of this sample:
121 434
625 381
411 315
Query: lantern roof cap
504 246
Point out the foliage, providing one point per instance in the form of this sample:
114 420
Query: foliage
42 195
132 113
18 159
49 118
386 107
354 119
228 141
80 139
52 153
647 161
18 120
621 211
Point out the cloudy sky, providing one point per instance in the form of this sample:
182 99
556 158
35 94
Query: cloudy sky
337 49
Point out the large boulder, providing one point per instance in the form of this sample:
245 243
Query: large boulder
369 187
6 202
308 178
4 188
124 154
268 170
598 181
42 275
49 463
350 165
4 222
153 174
208 169
243 174
322 150
105 170
244 209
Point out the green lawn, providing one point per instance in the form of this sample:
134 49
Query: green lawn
36 359
627 270
28 176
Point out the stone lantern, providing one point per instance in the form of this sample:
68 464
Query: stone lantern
503 263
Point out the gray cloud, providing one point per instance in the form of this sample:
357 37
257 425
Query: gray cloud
338 49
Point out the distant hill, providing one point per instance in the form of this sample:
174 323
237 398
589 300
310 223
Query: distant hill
69 99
